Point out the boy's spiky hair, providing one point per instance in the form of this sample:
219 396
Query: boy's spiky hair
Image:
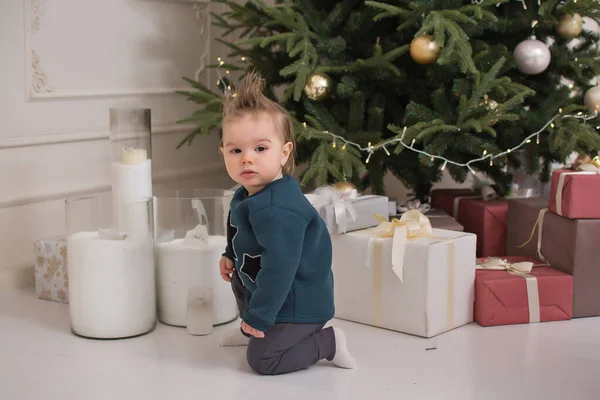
249 99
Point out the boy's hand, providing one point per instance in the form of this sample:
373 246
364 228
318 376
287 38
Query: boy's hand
251 331
226 268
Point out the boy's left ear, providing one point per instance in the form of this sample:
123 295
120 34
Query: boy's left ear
287 150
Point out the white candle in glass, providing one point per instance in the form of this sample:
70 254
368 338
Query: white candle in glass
175 261
111 285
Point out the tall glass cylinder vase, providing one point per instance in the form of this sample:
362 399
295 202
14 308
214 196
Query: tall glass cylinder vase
131 162
190 237
112 291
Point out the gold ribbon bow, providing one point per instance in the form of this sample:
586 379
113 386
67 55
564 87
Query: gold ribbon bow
411 225
521 269
591 167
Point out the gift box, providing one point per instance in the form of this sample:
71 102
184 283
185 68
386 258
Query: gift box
448 200
521 290
571 245
346 214
51 276
573 194
521 226
486 219
420 285
440 220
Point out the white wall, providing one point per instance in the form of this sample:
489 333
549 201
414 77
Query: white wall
63 64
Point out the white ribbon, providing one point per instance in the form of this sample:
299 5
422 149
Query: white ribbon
411 225
341 203
561 184
540 232
414 204
519 269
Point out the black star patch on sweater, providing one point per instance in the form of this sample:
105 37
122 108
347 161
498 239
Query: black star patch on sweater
251 266
232 230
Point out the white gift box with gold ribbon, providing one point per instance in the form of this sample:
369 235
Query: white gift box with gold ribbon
405 276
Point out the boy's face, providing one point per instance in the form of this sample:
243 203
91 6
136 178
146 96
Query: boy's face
253 150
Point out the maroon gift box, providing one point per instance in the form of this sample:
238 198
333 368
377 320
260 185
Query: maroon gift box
501 298
575 194
571 245
448 200
486 219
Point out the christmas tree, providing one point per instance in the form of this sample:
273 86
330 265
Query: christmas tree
417 87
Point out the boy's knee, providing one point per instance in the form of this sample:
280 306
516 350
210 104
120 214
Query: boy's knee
259 363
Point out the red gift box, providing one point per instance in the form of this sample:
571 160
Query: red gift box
450 199
486 219
502 298
573 194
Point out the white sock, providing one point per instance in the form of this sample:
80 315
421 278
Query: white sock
342 358
234 337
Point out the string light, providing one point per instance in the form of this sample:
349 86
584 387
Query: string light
228 91
370 149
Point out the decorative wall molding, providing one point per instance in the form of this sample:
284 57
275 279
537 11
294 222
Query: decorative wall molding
37 79
42 139
37 12
159 177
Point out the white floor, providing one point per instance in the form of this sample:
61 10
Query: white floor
41 359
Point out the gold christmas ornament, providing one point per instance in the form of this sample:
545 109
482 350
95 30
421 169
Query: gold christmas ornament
569 26
582 160
318 86
596 161
490 105
345 186
424 50
592 99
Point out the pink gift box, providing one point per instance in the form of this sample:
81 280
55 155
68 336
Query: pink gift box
574 194
503 299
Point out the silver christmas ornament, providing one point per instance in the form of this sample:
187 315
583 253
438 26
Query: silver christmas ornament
592 99
532 56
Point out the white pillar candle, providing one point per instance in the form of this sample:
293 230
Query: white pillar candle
134 156
111 285
132 183
177 264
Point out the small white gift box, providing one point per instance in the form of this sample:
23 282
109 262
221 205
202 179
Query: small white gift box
405 276
51 276
347 212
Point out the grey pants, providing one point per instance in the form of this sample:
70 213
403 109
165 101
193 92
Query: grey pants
285 347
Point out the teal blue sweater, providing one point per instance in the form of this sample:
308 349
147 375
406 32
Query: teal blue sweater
282 252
